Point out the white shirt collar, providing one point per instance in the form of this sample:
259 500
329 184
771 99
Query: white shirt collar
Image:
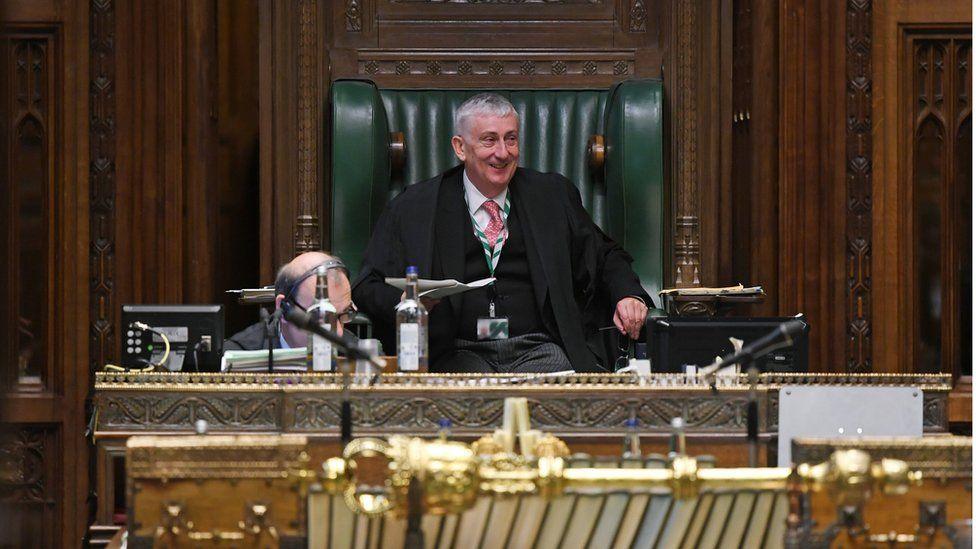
475 199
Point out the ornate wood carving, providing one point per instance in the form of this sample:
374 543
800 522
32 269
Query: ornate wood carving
412 413
354 16
307 223
936 457
939 182
638 17
579 404
168 411
686 228
101 173
23 472
470 2
526 67
27 187
858 167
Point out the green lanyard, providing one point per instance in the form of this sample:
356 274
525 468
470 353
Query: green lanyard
492 254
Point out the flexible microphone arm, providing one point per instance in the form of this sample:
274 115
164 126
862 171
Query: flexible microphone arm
781 336
302 321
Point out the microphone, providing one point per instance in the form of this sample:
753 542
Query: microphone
781 336
302 321
248 296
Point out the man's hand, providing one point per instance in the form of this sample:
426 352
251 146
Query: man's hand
629 316
427 302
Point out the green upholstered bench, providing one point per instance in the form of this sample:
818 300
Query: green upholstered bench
625 195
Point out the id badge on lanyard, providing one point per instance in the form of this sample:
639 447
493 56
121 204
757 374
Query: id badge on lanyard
492 326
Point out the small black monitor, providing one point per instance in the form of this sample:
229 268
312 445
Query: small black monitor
674 342
195 334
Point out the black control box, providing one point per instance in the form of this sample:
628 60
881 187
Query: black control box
674 342
195 334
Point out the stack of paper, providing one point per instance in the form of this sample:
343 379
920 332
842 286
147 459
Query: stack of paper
285 360
738 289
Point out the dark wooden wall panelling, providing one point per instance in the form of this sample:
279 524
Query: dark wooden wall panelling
185 202
921 159
43 365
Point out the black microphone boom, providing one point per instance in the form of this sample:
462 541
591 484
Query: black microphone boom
302 321
782 336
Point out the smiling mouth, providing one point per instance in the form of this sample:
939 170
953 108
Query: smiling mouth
499 166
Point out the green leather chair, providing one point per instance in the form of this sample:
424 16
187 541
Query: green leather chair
625 195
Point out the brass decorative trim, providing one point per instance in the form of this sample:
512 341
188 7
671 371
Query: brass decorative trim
292 382
215 456
934 456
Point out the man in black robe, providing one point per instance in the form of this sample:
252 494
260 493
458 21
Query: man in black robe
558 276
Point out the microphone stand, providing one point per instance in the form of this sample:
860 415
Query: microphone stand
352 350
752 414
269 320
746 357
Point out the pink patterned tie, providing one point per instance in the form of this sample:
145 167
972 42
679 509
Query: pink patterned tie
495 225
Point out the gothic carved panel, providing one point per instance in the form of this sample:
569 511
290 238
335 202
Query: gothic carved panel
102 129
858 167
418 413
23 474
307 230
31 163
181 412
686 231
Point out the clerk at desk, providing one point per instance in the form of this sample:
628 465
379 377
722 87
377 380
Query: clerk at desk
559 277
295 284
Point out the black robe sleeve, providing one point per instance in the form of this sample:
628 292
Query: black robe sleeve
384 258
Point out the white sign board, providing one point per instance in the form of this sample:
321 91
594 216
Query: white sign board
825 411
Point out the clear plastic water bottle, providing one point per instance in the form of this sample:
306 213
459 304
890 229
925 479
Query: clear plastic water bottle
632 447
444 429
320 353
411 328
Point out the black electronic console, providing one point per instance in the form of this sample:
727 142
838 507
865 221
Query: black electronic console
194 334
674 342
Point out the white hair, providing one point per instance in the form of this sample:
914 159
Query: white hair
482 104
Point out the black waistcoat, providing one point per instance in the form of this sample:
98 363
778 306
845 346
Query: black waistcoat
512 292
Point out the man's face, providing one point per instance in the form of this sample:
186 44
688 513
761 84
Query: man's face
490 152
340 294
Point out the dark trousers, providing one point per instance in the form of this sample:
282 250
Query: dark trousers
530 353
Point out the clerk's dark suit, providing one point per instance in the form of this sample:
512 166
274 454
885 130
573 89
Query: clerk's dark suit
577 273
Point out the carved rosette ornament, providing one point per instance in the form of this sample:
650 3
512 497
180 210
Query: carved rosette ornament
638 17
354 16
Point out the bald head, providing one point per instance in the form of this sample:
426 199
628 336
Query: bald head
302 292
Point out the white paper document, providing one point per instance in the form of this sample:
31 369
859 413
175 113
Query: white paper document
439 289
